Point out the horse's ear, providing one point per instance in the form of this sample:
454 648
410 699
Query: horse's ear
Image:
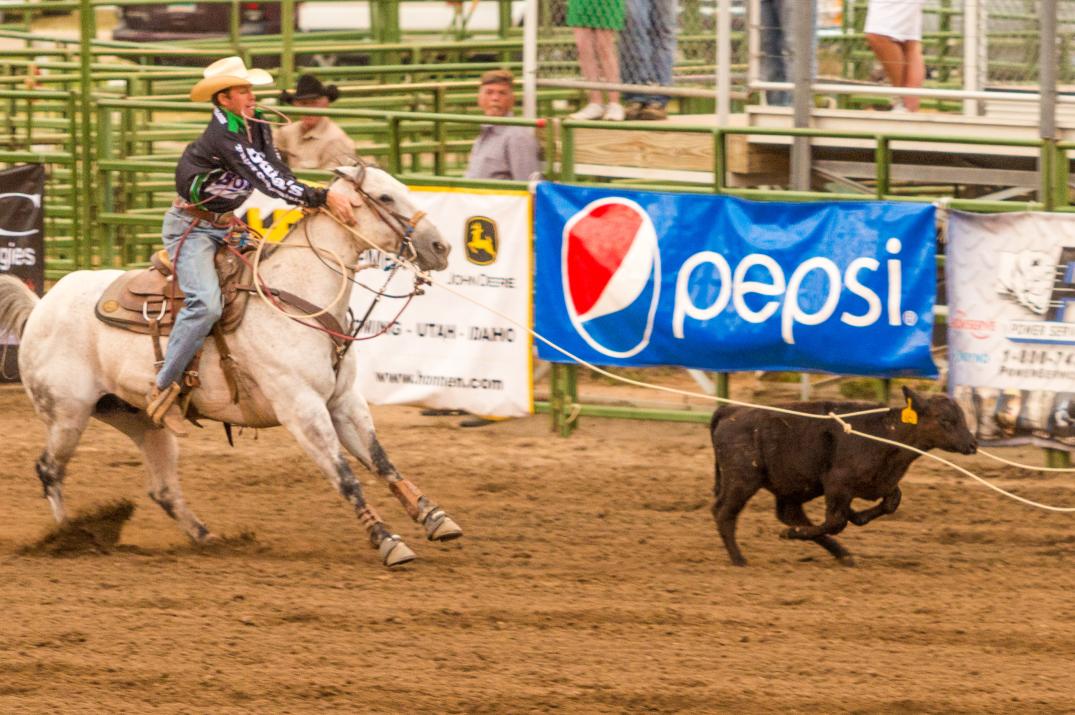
346 172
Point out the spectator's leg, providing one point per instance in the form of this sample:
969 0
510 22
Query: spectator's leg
915 75
605 41
890 54
772 61
635 47
663 20
585 42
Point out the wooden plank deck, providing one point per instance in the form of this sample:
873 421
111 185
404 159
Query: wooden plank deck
761 159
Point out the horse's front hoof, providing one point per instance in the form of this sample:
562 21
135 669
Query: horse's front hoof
441 527
201 536
394 552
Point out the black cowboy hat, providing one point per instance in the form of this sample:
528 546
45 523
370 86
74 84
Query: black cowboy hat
310 87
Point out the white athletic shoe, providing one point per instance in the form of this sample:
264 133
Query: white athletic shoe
590 111
614 112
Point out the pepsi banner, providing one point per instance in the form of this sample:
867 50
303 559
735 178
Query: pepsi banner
718 283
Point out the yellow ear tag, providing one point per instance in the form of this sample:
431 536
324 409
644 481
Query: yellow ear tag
908 415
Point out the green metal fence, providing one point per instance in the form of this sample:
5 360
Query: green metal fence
109 125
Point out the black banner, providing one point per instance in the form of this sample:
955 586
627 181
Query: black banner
22 240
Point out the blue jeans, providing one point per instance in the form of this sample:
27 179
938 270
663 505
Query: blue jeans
648 47
197 277
774 25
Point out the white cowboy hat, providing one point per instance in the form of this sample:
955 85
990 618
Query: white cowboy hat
228 72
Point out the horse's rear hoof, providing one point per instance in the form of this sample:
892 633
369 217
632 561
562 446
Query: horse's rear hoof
394 552
846 560
441 527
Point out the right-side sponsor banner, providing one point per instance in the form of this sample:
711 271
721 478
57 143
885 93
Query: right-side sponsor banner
1011 325
717 283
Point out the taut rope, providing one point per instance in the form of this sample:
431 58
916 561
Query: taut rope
727 400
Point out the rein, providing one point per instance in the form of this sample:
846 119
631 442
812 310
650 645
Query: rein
403 226
357 325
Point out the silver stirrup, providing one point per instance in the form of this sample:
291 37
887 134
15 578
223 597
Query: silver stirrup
145 313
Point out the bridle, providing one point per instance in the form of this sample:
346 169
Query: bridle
403 226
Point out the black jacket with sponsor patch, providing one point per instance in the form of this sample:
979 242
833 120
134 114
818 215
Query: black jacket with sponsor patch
221 168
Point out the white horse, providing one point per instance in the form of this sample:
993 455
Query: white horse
75 367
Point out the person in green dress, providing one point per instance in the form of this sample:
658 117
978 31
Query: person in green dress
595 22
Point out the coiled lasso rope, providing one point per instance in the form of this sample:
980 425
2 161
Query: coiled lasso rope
725 400
256 277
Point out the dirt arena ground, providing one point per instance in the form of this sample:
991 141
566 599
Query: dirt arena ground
590 579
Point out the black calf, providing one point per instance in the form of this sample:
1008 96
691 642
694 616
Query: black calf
800 458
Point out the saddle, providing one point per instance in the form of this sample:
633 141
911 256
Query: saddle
146 300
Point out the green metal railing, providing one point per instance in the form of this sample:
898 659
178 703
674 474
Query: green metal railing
144 137
1053 184
111 157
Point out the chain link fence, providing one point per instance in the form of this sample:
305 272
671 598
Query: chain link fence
639 46
964 44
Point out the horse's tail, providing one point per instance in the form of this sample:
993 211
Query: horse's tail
16 303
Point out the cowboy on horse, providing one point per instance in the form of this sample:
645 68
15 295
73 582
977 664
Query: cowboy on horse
215 175
282 367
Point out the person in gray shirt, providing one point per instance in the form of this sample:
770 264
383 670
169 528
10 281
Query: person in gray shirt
499 153
502 152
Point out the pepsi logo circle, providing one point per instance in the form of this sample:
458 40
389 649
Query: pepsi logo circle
612 275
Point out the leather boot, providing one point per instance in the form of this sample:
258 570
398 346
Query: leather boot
163 410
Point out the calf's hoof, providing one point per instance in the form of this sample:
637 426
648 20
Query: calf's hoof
738 561
394 552
441 527
846 560
791 533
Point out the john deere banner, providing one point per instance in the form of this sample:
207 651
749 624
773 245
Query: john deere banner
711 282
22 239
444 351
1011 334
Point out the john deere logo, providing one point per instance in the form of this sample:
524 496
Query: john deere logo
482 240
